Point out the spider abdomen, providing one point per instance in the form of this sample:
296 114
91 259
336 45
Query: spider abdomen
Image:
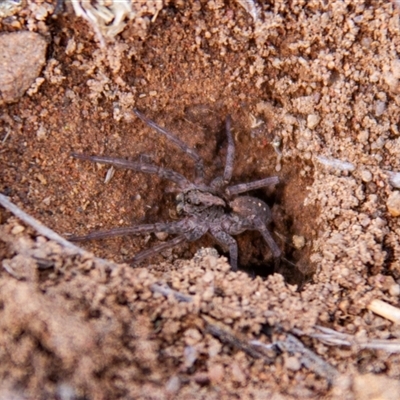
248 206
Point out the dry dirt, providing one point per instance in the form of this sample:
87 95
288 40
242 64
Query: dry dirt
313 88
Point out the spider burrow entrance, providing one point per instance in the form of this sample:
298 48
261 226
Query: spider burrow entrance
214 208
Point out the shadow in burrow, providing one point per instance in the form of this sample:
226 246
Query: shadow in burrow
293 228
293 225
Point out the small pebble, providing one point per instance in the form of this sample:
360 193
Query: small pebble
313 120
394 290
299 241
396 68
212 261
393 204
208 277
201 378
46 201
216 373
124 251
41 133
380 107
292 363
190 355
17 229
363 137
161 236
237 373
173 385
9 7
366 175
394 179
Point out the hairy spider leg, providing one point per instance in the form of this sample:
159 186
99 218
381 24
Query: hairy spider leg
276 251
183 146
156 249
250 213
146 168
238 227
190 229
246 187
227 241
230 153
172 228
220 181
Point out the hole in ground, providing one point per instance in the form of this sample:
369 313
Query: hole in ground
293 223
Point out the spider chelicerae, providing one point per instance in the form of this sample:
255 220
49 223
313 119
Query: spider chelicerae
215 208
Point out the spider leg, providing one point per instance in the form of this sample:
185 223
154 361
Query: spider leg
156 249
246 187
230 157
249 213
237 228
276 251
226 240
230 154
183 146
189 229
168 227
140 167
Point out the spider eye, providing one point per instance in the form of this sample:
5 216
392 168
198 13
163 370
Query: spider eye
179 197
189 201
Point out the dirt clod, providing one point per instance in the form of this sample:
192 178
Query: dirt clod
21 59
393 203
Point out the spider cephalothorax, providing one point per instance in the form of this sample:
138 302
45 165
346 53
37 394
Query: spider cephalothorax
197 202
215 208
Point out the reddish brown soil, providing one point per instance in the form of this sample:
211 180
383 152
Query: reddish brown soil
84 329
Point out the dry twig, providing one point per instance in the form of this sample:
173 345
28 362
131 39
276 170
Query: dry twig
47 232
166 291
331 337
308 359
385 310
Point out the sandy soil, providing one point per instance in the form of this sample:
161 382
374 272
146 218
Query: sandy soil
313 90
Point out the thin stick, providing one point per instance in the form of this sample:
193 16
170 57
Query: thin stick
331 337
166 291
385 310
226 337
309 359
45 231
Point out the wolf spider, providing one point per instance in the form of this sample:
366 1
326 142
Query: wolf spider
213 208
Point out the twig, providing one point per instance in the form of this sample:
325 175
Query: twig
385 310
336 163
166 291
47 232
333 338
309 359
249 348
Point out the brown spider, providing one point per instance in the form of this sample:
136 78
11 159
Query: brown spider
213 208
